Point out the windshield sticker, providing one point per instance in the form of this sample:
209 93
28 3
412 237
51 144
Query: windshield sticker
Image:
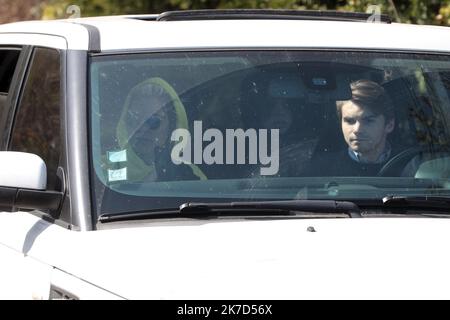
235 140
117 175
117 156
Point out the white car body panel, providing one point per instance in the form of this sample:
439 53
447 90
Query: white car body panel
56 34
373 258
44 40
118 33
277 34
22 277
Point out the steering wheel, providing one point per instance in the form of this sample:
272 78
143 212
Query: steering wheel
395 165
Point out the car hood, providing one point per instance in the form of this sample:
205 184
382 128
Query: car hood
266 259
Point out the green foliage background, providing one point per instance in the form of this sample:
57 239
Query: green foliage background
413 11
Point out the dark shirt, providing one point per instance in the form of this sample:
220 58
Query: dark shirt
341 164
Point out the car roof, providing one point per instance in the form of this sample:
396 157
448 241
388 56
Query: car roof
121 33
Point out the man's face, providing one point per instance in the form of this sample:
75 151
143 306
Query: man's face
364 131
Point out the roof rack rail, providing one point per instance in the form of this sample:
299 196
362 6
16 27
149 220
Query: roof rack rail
146 17
228 14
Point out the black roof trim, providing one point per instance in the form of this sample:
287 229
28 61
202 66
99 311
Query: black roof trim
228 14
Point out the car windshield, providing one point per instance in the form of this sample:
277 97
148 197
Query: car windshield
175 127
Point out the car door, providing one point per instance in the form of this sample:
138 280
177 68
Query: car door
34 127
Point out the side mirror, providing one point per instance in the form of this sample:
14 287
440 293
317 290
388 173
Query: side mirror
23 179
22 170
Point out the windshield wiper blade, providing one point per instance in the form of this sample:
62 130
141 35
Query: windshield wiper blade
250 208
418 202
315 206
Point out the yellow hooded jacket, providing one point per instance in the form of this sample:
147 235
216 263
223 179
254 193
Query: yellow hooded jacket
137 168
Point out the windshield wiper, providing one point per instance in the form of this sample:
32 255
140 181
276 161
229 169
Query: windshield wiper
250 208
418 202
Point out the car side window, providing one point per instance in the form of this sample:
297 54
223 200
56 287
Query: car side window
9 58
37 121
8 63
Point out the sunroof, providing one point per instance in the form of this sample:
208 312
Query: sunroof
228 14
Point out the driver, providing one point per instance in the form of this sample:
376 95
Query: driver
366 121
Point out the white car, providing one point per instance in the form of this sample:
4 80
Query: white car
194 155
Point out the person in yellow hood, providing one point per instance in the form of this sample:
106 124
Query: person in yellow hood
151 112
